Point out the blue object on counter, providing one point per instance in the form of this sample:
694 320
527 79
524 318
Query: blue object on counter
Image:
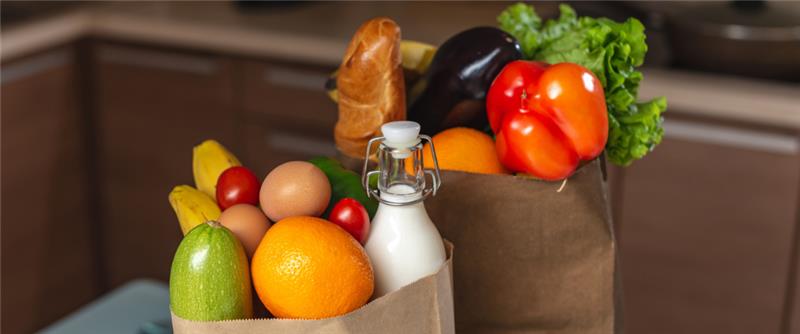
138 307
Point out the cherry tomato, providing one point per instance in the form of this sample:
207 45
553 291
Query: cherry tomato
237 185
350 215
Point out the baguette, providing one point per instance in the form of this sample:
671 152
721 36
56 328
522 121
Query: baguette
370 84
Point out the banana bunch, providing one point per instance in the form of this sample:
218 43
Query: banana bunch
209 160
193 207
416 57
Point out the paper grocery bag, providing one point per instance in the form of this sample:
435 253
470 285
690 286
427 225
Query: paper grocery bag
530 259
425 306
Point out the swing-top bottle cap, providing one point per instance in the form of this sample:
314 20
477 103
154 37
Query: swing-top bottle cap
401 134
396 185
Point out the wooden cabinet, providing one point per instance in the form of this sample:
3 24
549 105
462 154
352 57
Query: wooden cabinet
707 225
153 106
287 114
793 317
792 320
47 254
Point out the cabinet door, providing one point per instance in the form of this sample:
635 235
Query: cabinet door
792 321
288 114
706 230
267 147
153 107
47 263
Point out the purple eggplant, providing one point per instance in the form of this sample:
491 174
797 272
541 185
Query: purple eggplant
453 91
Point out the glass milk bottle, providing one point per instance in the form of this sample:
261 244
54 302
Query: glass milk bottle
403 244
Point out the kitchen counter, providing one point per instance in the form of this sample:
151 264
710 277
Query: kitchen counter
313 32
318 33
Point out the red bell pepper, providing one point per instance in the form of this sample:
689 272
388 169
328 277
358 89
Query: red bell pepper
547 118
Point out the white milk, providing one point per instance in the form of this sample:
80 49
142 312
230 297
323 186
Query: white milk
403 244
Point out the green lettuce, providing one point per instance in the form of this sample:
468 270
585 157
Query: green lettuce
612 51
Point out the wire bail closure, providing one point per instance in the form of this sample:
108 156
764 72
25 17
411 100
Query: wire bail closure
375 193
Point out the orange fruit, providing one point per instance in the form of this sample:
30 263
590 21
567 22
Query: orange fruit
463 149
309 268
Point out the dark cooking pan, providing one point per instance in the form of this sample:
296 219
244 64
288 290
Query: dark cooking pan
753 38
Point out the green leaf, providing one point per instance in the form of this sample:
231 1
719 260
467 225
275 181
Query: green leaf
521 21
636 131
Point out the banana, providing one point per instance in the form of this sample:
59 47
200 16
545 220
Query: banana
416 57
209 160
192 206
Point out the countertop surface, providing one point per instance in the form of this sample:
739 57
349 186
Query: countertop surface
317 33
139 306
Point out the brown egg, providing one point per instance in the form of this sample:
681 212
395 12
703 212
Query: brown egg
295 188
248 223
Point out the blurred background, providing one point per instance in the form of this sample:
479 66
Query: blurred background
102 103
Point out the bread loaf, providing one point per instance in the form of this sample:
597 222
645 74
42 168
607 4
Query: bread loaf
370 84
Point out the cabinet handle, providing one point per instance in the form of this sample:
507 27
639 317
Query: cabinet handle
306 80
35 65
156 59
732 137
284 141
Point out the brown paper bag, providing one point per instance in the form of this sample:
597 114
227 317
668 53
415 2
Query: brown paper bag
531 259
425 306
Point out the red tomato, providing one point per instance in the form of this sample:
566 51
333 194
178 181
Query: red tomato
237 185
350 215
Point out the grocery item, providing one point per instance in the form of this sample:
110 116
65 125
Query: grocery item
237 185
295 188
612 51
248 223
309 268
350 215
210 278
462 149
209 160
193 207
454 87
416 58
370 84
403 243
344 183
547 118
